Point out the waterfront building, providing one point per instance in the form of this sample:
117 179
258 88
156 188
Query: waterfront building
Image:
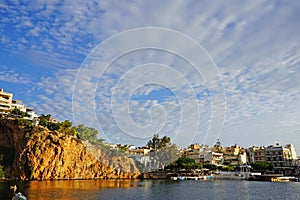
194 152
213 158
282 158
234 155
198 153
256 154
5 102
204 154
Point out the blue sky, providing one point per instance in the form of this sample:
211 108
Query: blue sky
192 70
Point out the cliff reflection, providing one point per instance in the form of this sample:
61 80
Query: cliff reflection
72 189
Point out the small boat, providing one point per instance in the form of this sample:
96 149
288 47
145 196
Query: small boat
285 179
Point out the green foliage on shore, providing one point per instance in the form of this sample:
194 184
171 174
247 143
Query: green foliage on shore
209 166
185 163
228 168
189 163
262 166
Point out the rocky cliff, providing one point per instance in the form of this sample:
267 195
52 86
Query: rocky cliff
36 153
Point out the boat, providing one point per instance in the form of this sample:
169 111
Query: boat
285 179
175 178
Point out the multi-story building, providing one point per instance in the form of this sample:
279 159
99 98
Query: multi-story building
5 101
203 154
213 158
19 105
140 151
194 152
31 114
235 155
256 154
281 156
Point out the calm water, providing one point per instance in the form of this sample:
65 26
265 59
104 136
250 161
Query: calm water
152 189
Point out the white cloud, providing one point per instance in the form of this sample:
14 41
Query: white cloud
10 76
255 45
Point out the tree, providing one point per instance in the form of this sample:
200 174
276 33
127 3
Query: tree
154 142
44 120
158 143
87 133
164 141
261 166
53 126
65 125
187 163
19 113
210 166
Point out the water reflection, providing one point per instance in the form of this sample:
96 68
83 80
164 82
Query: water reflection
65 189
152 189
82 184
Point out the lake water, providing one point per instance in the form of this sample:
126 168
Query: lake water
152 189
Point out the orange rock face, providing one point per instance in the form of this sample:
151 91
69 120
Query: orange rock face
41 154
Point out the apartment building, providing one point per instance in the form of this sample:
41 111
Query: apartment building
18 104
235 155
256 154
281 156
202 154
5 101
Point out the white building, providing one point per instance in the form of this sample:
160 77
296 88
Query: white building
5 101
18 104
31 114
